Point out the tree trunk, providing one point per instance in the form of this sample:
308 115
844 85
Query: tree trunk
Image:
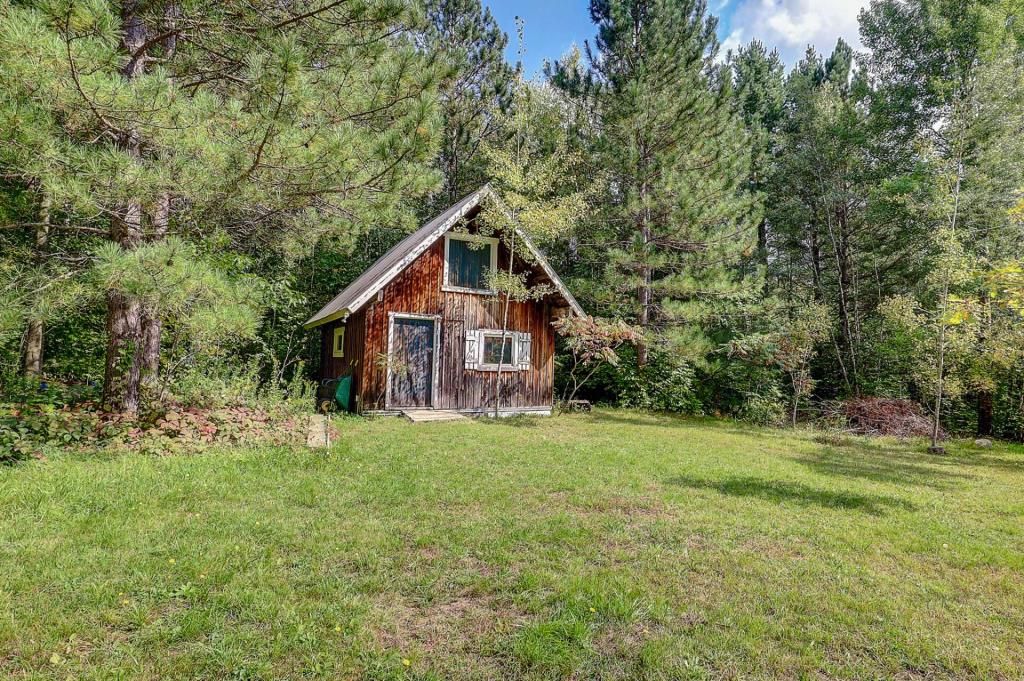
122 368
120 376
644 294
944 309
940 373
152 325
33 361
504 331
814 250
985 413
160 217
796 399
841 250
33 364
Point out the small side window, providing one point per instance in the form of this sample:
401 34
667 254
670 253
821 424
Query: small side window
339 342
484 351
493 350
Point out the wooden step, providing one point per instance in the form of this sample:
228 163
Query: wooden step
430 415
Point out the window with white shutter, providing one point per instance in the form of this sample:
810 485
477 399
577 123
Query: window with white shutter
495 350
483 350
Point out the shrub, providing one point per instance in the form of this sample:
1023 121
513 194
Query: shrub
765 408
25 429
665 384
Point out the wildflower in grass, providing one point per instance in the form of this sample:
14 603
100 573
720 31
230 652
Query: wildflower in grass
406 662
172 561
55 659
337 627
593 610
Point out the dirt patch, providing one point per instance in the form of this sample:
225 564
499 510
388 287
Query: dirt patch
625 641
772 550
474 564
428 554
640 506
459 625
690 620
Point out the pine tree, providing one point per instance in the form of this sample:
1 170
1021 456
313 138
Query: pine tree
759 94
477 90
677 163
820 189
263 122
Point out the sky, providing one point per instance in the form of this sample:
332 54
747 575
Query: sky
552 26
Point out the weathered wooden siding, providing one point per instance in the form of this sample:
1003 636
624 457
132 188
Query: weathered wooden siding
418 290
355 340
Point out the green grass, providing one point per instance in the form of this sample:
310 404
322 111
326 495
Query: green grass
612 545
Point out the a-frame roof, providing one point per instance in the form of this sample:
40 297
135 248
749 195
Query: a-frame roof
402 254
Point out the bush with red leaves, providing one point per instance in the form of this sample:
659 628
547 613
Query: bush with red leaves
26 430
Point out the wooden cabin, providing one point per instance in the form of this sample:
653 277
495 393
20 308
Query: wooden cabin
420 331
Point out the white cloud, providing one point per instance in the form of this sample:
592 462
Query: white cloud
732 42
791 25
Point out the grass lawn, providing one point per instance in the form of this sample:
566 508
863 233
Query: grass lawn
611 545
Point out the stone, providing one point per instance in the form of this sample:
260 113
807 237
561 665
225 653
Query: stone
317 435
982 442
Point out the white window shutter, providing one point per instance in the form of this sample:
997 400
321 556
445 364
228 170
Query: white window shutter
472 349
524 350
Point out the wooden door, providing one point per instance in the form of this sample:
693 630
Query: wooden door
412 363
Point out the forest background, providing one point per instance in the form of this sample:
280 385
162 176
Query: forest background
183 184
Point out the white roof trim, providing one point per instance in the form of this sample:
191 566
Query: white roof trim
419 250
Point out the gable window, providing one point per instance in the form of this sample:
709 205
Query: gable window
483 350
467 259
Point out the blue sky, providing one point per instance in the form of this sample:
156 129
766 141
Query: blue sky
552 26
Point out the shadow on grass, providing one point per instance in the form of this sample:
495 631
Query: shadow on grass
779 491
515 421
889 465
721 425
1007 462
638 418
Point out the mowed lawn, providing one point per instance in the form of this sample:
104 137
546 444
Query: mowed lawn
611 545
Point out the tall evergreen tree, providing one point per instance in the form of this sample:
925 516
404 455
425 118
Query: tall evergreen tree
819 198
206 119
478 88
759 94
676 160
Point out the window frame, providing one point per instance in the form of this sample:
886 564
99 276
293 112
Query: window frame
516 338
512 340
492 242
338 344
